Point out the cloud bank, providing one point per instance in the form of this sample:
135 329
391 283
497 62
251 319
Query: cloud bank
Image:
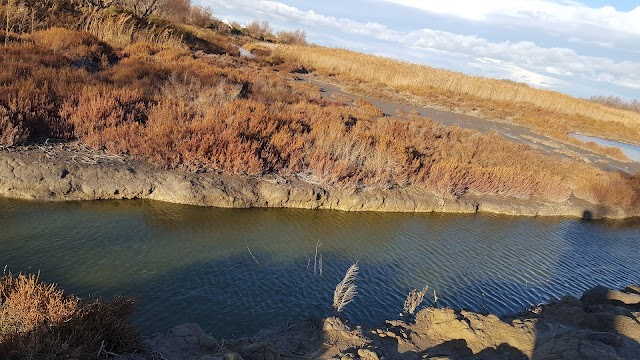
549 67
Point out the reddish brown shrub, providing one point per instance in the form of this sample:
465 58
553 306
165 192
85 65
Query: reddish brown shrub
38 320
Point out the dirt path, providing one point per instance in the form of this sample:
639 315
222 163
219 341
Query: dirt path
516 133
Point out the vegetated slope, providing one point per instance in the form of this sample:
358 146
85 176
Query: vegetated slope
160 94
548 112
40 321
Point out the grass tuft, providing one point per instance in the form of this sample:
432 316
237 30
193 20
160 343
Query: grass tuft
37 320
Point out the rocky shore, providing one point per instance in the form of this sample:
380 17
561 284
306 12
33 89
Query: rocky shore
67 172
602 324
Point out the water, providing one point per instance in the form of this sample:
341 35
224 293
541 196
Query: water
191 264
631 151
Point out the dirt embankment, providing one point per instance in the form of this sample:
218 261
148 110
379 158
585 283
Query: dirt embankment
602 324
67 172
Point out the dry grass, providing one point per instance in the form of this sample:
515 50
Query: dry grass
345 291
120 30
38 320
546 111
617 102
413 300
223 113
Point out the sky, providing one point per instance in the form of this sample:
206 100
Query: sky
583 48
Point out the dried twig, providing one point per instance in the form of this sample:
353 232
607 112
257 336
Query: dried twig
346 289
414 299
254 258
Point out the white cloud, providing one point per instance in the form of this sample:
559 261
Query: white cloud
521 61
539 13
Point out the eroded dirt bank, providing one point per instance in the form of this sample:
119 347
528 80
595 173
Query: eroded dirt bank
66 172
602 324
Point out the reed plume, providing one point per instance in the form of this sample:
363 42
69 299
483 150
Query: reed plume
414 299
346 289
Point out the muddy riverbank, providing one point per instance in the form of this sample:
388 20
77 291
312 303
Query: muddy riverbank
602 324
68 172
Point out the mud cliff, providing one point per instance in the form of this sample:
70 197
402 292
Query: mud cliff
65 172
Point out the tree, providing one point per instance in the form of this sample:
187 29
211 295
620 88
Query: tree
177 10
200 16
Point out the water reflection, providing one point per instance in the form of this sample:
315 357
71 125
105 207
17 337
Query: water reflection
192 264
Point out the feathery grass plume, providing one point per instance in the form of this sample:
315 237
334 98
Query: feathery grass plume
414 299
346 289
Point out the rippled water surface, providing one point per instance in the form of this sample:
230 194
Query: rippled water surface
191 264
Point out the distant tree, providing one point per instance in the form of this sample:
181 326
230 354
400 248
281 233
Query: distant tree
617 102
259 30
200 16
176 10
298 37
142 8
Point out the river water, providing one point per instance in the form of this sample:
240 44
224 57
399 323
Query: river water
193 264
631 151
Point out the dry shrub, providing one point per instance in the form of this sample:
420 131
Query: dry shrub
11 133
200 16
259 30
38 320
413 300
609 188
184 87
297 37
185 110
72 44
617 102
368 109
97 109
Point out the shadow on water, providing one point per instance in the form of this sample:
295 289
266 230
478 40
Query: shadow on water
190 264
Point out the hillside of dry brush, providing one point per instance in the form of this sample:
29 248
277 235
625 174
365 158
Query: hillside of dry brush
178 95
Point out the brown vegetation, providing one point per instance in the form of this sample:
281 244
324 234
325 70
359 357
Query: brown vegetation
547 112
617 102
172 103
38 320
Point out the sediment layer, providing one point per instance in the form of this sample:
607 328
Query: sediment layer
602 324
65 173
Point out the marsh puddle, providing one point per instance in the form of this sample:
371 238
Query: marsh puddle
632 151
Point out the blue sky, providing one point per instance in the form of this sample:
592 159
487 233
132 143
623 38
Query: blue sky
584 48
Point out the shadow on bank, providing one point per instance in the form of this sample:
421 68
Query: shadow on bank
603 324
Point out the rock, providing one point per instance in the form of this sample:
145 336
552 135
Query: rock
55 174
232 356
634 289
366 354
601 294
334 324
208 342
